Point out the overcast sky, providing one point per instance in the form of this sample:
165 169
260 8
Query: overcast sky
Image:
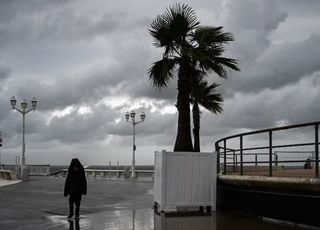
86 62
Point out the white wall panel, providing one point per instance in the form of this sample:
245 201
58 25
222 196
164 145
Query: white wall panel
185 179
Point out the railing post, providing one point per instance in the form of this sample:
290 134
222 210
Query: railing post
225 157
256 159
276 159
270 153
218 157
241 155
234 161
316 135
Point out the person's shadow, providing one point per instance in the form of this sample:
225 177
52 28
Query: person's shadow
76 224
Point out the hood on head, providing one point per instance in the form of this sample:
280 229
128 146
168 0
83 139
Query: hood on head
75 162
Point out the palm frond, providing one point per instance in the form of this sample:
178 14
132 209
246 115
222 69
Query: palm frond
161 33
182 18
211 36
210 42
161 72
206 96
173 26
210 61
229 62
220 70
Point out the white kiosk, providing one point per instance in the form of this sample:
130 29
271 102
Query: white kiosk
185 179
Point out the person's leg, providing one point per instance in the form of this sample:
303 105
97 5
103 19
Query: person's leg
71 200
77 224
77 202
71 225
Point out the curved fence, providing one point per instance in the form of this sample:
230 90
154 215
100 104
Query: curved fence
282 151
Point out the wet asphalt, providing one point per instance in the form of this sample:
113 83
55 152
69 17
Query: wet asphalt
110 204
40 201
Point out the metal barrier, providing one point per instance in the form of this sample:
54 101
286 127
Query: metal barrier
39 170
238 158
114 173
32 170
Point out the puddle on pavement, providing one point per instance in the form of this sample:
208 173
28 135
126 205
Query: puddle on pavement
61 222
65 212
124 219
146 219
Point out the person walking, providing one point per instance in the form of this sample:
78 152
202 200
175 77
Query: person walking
75 186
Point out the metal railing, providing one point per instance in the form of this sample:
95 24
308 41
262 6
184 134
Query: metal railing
238 157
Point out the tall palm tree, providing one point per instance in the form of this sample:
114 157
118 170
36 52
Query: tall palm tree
206 96
187 46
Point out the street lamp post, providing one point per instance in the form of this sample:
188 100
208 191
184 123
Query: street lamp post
24 110
1 167
133 121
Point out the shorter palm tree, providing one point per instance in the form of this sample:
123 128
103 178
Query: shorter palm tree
206 96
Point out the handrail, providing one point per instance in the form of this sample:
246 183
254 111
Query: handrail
266 147
271 129
221 144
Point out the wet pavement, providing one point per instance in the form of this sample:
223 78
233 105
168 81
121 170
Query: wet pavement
110 204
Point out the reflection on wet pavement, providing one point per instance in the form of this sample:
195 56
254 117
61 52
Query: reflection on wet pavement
116 220
74 225
111 204
146 219
187 223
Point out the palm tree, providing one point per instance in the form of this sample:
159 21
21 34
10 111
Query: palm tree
206 96
187 46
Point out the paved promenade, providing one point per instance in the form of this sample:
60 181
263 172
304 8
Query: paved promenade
110 204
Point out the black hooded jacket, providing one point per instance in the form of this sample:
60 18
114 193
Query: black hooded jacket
76 183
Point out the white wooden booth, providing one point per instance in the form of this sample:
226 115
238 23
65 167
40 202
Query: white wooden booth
184 179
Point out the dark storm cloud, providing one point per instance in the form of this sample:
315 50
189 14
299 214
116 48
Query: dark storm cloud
144 88
294 103
97 125
89 86
280 65
54 21
300 8
251 22
74 126
124 75
15 14
87 64
4 73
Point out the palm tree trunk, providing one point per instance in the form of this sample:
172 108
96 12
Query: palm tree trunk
183 139
196 126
